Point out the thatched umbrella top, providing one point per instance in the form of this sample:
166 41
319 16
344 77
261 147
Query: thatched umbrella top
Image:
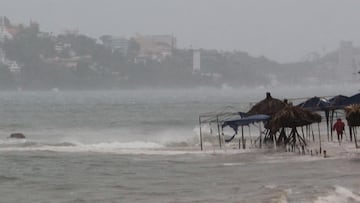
268 106
292 117
353 114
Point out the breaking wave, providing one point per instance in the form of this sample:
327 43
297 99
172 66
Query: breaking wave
339 195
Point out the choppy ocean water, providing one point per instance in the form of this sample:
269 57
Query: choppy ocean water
143 146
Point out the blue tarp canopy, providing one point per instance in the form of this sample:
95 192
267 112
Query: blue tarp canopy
338 101
355 99
234 124
315 103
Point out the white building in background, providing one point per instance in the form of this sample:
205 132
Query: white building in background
196 61
120 44
156 47
4 33
13 66
116 43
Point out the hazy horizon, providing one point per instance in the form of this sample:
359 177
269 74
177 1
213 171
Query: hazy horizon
282 30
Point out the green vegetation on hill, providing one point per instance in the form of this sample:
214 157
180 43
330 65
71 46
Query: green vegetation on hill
75 61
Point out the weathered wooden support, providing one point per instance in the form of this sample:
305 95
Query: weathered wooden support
355 137
319 137
201 140
260 135
242 137
351 134
312 133
218 128
331 124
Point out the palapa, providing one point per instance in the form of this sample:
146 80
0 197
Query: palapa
353 114
353 119
292 117
268 106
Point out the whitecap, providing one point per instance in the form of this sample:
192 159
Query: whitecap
339 195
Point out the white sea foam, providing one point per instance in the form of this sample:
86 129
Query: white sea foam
12 141
281 195
339 195
135 147
271 186
233 164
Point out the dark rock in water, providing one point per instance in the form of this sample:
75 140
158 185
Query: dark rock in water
17 136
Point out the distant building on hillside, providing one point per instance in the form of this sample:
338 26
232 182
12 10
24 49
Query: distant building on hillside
4 31
8 30
156 47
120 44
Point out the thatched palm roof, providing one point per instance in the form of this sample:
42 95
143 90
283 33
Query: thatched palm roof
353 114
268 106
292 117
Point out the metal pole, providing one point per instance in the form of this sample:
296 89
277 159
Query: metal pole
201 141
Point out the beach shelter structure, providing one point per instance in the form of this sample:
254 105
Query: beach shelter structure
315 104
217 118
353 119
355 99
235 124
292 117
320 104
338 101
268 106
329 107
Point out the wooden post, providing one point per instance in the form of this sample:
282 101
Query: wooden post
319 137
218 127
302 132
201 141
327 115
274 140
355 138
260 135
242 137
331 124
307 132
250 135
312 133
351 134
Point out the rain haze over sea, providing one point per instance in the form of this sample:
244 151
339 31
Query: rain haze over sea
109 93
143 146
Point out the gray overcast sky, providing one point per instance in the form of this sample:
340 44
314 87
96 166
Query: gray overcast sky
283 30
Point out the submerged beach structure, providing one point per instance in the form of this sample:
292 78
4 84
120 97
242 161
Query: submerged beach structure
292 117
353 119
282 121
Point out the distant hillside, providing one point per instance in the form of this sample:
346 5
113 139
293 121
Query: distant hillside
32 59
